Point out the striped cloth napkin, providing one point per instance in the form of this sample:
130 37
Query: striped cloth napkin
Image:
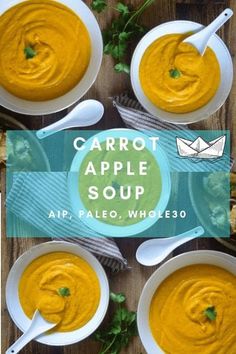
136 117
41 190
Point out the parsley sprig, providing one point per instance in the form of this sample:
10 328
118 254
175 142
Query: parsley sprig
121 329
29 52
123 29
174 73
64 292
211 313
99 5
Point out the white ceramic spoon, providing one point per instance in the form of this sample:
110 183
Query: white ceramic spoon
200 39
86 113
152 252
38 326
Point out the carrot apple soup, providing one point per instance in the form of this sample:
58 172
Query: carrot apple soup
194 311
175 77
44 50
63 287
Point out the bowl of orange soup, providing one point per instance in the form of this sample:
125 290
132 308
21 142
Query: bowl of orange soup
188 305
66 284
50 54
173 81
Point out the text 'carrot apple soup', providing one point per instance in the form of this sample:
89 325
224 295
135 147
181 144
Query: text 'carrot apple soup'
45 50
175 77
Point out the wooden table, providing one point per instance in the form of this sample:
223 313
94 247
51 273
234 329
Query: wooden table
108 84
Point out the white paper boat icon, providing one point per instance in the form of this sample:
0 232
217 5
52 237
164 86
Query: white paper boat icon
200 149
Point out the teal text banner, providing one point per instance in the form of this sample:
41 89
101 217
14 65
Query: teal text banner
118 183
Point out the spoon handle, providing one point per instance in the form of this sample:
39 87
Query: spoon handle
196 232
217 23
37 326
85 114
53 128
21 342
153 251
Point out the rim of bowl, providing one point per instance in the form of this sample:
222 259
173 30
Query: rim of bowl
163 272
87 256
173 117
34 108
116 230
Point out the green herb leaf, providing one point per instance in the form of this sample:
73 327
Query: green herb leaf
99 5
119 50
122 8
124 36
122 67
29 52
115 50
210 313
117 298
121 329
122 29
108 48
64 292
174 73
116 329
141 30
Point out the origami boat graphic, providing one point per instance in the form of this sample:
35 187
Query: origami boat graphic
200 149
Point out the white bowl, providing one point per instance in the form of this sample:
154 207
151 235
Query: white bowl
102 227
46 107
219 259
226 68
13 303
